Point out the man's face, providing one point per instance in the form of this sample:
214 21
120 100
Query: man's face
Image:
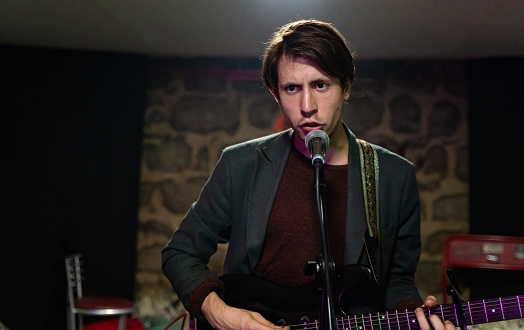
310 99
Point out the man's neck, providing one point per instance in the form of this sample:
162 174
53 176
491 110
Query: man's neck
337 152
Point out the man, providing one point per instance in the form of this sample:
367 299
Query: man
260 198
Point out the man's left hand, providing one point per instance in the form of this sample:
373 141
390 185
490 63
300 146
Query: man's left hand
434 320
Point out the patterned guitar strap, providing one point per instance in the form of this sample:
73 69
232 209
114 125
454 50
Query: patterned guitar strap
370 177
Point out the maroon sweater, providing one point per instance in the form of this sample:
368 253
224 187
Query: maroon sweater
293 234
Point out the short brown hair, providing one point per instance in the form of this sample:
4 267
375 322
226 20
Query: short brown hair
318 41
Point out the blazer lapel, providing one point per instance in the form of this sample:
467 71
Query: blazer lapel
270 165
355 213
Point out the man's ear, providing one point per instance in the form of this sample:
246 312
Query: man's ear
275 95
347 90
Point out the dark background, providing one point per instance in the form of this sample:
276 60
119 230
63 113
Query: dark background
71 143
496 119
496 124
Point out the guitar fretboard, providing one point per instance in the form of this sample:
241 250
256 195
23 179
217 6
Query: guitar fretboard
475 312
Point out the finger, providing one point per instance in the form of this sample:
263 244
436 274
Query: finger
260 319
421 319
437 323
449 325
430 301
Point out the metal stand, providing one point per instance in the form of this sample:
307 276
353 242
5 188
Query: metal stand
455 293
325 266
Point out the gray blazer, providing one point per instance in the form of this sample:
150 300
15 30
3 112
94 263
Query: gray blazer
235 204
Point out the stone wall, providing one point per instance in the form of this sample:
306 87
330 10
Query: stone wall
417 109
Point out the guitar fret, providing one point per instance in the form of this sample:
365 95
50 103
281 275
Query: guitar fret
520 308
447 312
510 308
485 310
343 325
469 309
456 317
381 318
502 309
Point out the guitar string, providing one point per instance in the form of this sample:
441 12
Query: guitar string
510 304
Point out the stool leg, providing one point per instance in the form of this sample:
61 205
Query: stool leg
122 322
71 322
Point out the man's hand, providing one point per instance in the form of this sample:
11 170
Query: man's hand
221 316
435 321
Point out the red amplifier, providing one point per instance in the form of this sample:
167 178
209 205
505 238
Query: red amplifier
481 251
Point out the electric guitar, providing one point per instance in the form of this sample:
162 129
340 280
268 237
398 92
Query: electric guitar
298 307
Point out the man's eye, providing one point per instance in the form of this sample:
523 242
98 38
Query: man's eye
291 88
321 85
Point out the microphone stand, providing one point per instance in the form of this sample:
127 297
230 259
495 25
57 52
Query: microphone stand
325 263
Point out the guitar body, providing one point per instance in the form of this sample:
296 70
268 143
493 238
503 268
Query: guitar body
286 306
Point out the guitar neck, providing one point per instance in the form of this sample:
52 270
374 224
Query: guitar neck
475 312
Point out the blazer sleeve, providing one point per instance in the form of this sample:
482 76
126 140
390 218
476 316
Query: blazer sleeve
404 249
207 223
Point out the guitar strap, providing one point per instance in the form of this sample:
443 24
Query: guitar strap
370 177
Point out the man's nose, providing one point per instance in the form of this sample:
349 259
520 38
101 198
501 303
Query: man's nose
308 101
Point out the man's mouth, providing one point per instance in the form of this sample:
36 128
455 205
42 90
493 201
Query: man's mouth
311 126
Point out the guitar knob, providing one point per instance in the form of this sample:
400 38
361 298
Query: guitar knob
492 259
311 268
281 323
304 320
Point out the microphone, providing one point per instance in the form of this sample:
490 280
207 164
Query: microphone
317 142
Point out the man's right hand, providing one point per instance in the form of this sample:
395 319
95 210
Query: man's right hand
221 316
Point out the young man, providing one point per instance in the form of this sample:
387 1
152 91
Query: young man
261 200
